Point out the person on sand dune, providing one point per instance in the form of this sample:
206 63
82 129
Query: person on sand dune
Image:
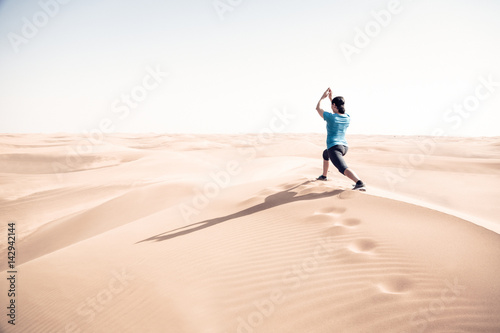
336 126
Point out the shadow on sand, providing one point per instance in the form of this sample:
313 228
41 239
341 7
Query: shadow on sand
271 201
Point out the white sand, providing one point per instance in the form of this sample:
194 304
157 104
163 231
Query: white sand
185 233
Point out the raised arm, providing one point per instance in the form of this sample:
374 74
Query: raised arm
327 93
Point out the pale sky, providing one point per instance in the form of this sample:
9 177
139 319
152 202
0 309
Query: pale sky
404 67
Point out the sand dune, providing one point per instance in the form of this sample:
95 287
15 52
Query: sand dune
226 233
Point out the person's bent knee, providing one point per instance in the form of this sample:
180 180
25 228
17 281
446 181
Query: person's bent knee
342 170
325 155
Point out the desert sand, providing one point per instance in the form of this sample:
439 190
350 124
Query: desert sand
230 233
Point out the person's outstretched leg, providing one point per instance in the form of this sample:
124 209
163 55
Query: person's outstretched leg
351 175
336 154
354 177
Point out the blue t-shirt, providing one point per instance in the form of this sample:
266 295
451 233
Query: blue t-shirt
336 125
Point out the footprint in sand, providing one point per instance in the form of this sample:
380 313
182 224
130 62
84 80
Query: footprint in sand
348 194
335 211
327 214
395 285
362 246
321 218
336 231
350 223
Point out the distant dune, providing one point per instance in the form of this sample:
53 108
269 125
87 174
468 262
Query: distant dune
231 233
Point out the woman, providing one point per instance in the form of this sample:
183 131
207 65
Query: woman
336 126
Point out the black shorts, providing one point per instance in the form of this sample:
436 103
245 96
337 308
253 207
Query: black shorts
335 154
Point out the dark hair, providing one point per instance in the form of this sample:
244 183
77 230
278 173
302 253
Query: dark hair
339 102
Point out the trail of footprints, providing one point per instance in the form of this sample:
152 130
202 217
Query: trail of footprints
355 247
345 229
389 278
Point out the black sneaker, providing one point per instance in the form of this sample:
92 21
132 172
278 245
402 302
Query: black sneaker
359 186
321 178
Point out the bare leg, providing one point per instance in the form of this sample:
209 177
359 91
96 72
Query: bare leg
351 175
326 164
